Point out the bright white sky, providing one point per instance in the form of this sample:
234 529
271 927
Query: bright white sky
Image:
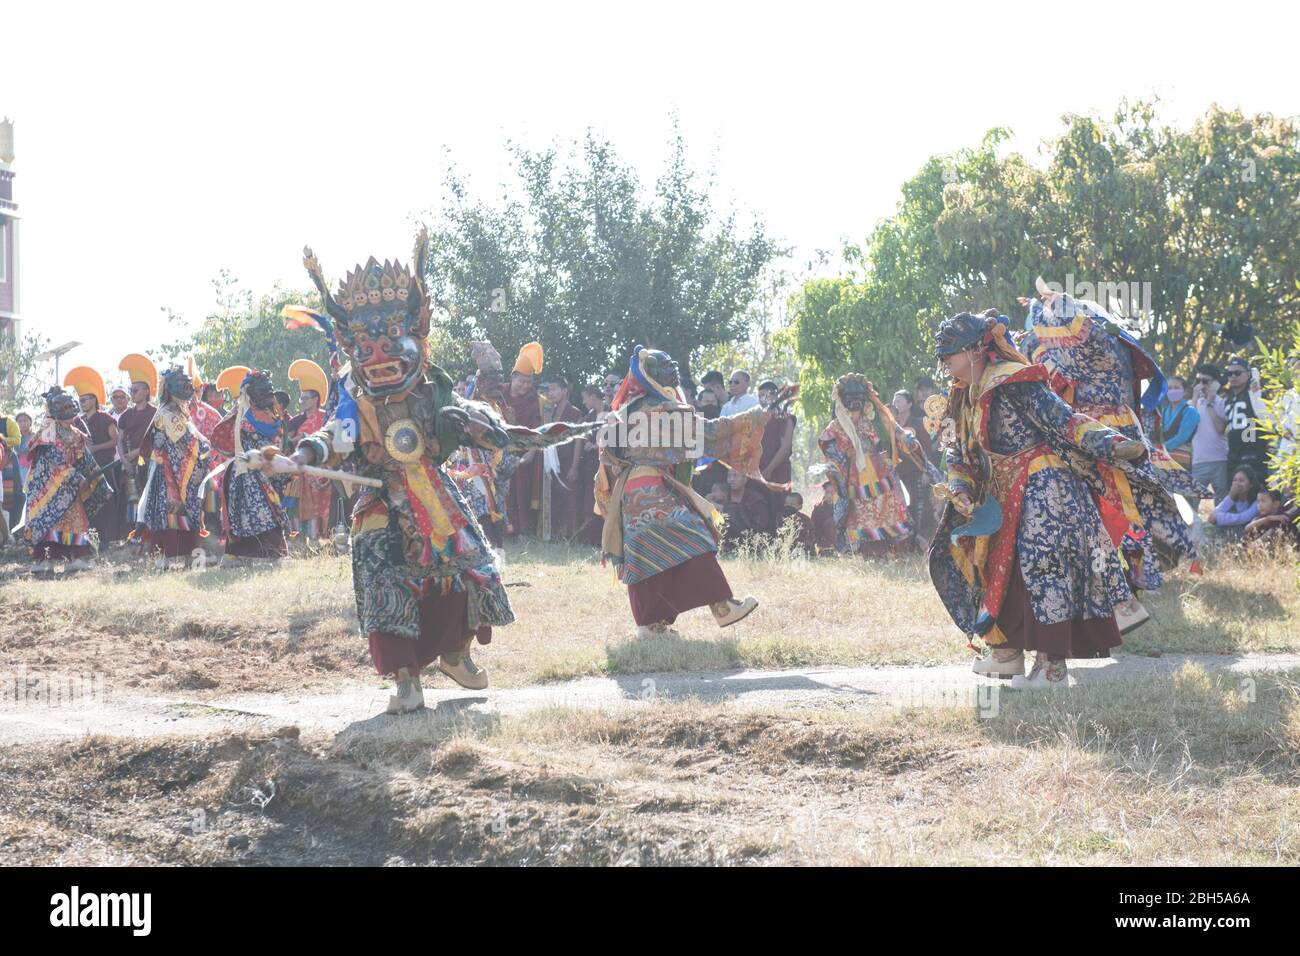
159 143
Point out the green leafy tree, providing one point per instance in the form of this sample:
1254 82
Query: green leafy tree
24 376
578 258
1206 216
246 329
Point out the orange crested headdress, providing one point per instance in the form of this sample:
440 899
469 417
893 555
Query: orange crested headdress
84 380
309 375
530 359
232 379
139 368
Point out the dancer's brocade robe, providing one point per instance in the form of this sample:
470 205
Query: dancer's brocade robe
64 486
654 520
1099 374
418 532
253 499
1022 445
869 505
179 459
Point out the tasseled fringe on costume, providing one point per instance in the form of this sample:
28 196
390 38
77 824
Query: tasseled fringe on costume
434 586
873 486
886 532
66 538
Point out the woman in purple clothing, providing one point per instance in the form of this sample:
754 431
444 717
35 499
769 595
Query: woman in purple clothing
1238 509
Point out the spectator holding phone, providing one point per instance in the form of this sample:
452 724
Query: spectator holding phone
1247 446
1210 443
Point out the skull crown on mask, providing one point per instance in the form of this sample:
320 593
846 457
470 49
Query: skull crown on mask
380 315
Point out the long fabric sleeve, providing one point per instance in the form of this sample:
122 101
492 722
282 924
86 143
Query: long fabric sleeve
1050 413
962 478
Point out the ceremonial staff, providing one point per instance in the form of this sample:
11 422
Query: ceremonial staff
282 464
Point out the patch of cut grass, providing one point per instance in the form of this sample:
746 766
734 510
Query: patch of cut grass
574 620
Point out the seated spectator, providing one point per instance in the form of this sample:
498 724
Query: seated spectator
793 512
1276 523
745 507
823 520
1238 508
734 528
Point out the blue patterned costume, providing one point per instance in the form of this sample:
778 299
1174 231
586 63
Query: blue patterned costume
1019 443
1098 369
179 461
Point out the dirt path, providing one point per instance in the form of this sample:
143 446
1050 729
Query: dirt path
356 708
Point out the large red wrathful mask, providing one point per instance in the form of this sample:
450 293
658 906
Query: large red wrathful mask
380 316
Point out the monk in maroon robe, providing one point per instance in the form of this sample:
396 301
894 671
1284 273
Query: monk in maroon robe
524 407
778 443
561 518
108 521
590 524
132 425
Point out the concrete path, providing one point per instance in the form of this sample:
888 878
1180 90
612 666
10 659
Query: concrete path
355 708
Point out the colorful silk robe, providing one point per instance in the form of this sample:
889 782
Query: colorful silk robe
178 463
869 504
254 500
1019 443
1099 371
654 521
417 534
64 486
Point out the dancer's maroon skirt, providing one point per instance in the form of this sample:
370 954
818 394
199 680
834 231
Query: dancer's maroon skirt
268 544
444 628
694 583
1078 638
172 542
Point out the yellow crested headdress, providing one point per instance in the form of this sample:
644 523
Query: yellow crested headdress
194 376
309 375
232 379
86 381
139 368
530 359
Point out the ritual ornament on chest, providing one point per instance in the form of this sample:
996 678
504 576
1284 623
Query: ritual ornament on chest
403 441
406 430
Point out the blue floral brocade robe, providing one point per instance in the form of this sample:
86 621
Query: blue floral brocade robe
1021 444
179 460
1100 375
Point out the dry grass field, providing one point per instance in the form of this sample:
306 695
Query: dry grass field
292 625
1187 769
